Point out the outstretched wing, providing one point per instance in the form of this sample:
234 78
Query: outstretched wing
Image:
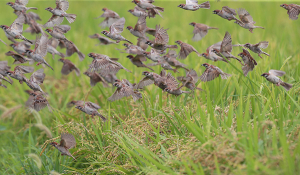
118 26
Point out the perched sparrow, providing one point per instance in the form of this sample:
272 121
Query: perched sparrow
40 50
141 42
37 102
14 31
53 51
246 20
20 47
249 61
190 80
211 72
95 78
200 30
72 48
3 70
293 10
124 89
226 48
153 55
19 72
59 31
193 5
256 48
67 141
115 31
210 55
104 65
140 28
138 12
161 39
171 59
68 67
138 61
35 80
272 77
18 58
226 13
20 5
59 13
110 17
103 40
185 49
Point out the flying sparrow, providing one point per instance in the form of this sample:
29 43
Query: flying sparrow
124 89
211 72
138 61
293 10
246 20
34 16
171 59
68 67
59 31
20 5
53 51
249 61
14 31
72 48
190 80
256 48
67 141
193 5
141 42
272 77
140 28
3 70
34 27
147 80
226 13
37 102
185 49
59 13
18 58
161 39
138 12
153 55
40 50
84 103
19 72
20 47
90 110
210 55
149 6
115 31
133 49
110 17
200 30
95 78
103 40
172 86
35 80
226 48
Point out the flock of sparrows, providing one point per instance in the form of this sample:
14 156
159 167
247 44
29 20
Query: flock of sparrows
104 69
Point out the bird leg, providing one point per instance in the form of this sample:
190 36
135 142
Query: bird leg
260 55
278 84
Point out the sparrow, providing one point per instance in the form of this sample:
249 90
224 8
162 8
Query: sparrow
110 17
71 49
172 86
104 65
146 5
246 20
138 61
95 78
90 110
14 31
139 29
124 89
211 72
226 48
84 103
37 102
19 72
103 40
34 16
185 49
272 77
133 49
115 31
147 80
59 31
200 30
210 55
59 13
18 58
249 61
193 5
190 80
35 80
161 39
153 55
141 42
171 59
20 5
256 48
40 50
165 65
293 10
34 27
67 141
20 47
53 51
226 13
138 12
4 68
68 67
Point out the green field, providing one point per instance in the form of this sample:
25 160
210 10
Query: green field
243 125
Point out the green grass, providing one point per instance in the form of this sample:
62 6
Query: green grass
243 125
